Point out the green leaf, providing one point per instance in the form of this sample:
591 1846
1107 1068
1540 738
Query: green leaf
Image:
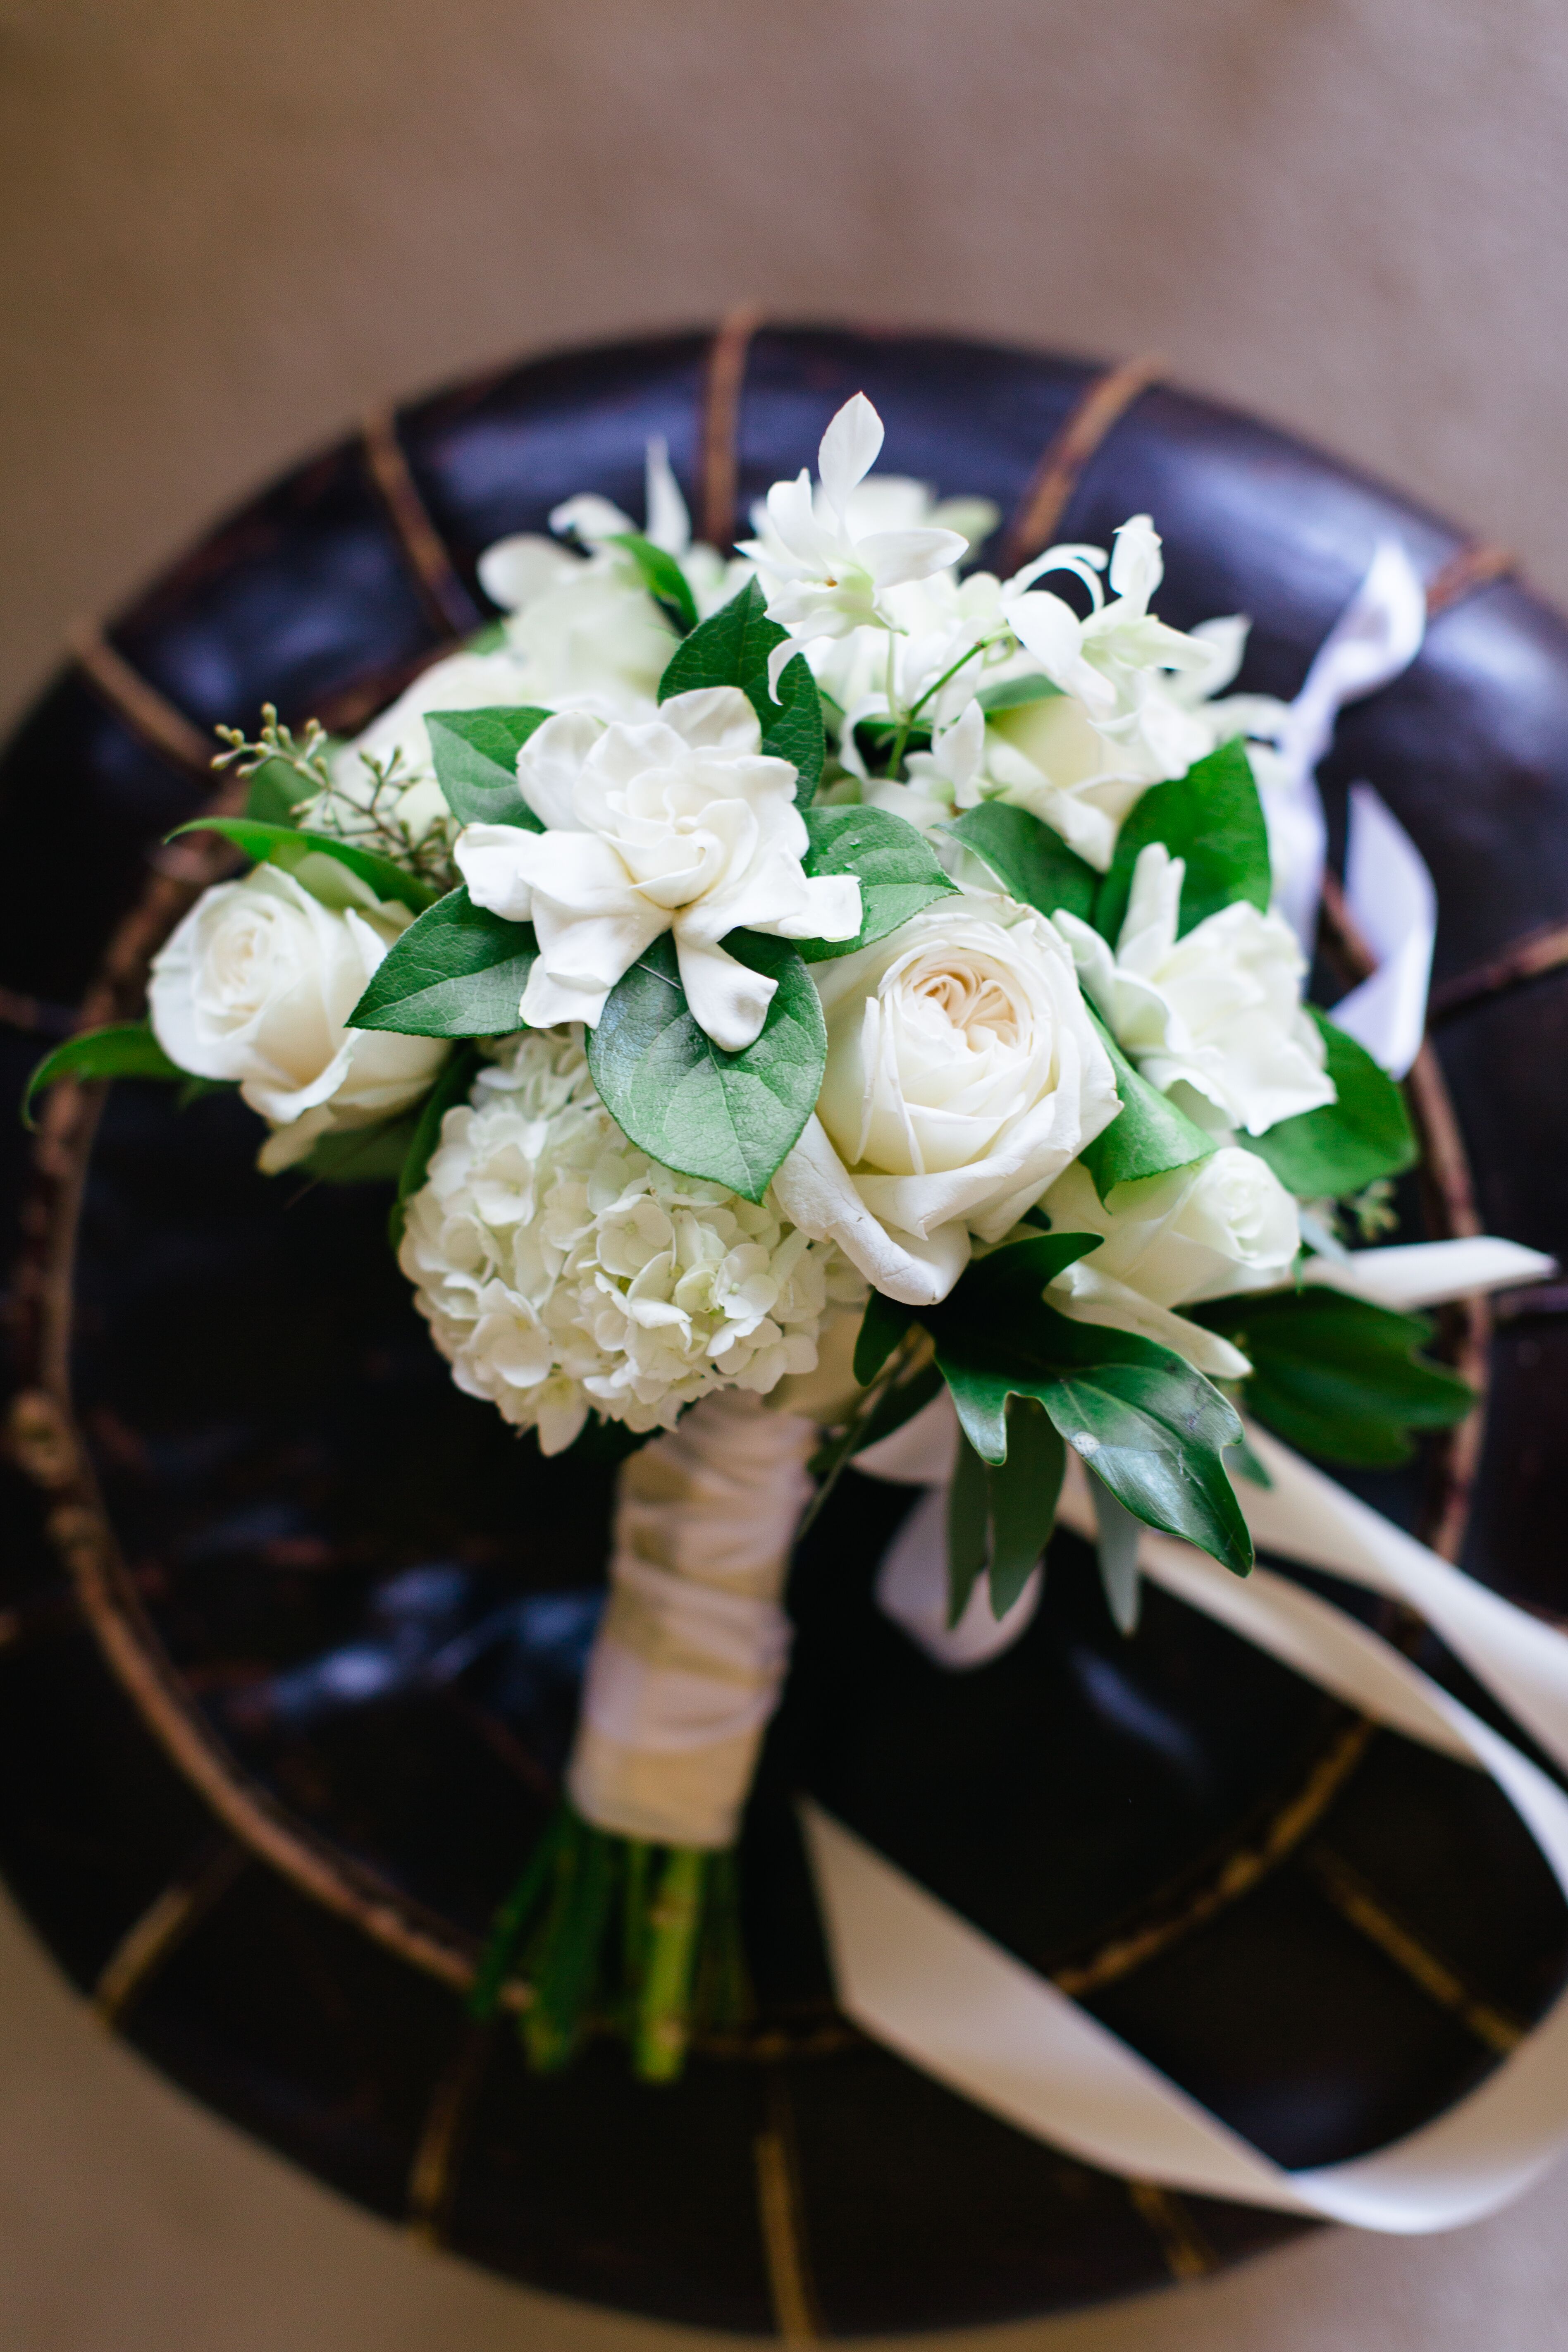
1337 1376
1328 1153
275 791
458 971
125 1049
1148 1137
895 1406
968 1517
662 577
732 648
311 856
358 1155
475 757
1154 1430
881 1329
730 1117
1116 1552
1030 861
452 1087
1022 1494
896 866
1213 818
1015 693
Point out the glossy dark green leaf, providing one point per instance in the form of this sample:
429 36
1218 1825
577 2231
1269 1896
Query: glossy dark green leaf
896 866
125 1049
732 648
662 577
475 757
1152 1428
683 1100
1366 1133
1023 1493
310 857
1116 1532
1337 1376
358 1155
458 971
1030 861
1015 693
968 1528
1211 817
882 1326
1148 1137
452 1087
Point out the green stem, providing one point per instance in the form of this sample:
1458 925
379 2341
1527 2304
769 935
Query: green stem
902 737
507 1927
570 1944
664 2005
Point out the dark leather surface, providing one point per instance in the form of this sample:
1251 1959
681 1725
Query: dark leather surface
382 1598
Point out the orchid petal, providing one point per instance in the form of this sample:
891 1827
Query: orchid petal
850 447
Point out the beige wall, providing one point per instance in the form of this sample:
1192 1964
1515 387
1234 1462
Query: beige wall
230 226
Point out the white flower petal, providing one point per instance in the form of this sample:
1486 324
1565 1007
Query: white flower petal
850 447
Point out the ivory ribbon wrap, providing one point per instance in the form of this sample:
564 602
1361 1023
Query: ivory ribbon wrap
691 1652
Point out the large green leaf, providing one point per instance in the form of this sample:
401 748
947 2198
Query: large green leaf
452 1087
458 971
732 648
302 854
727 1117
1022 1493
896 866
125 1049
1154 1430
1148 1137
475 757
662 577
1338 1377
968 1528
1366 1133
1213 818
1030 861
882 1326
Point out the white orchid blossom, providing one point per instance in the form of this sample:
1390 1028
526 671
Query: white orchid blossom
1217 1012
824 573
680 823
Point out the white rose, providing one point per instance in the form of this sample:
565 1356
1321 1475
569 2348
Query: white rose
1224 1225
1218 1011
256 984
964 1074
681 825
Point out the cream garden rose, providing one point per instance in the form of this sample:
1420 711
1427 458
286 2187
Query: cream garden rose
256 984
964 1074
1226 1224
1216 1014
682 823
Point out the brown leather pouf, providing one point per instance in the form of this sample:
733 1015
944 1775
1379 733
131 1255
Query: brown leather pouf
291 1631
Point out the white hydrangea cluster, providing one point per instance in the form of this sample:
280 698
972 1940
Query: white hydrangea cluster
561 1269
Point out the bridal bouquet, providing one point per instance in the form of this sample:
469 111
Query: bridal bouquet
782 989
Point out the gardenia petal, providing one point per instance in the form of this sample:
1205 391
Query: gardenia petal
680 822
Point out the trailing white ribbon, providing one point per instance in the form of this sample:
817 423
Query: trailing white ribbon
920 1979
1377 635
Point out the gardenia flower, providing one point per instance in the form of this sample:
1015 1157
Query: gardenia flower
1217 1012
1224 1225
825 574
682 823
964 1074
256 984
561 1269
